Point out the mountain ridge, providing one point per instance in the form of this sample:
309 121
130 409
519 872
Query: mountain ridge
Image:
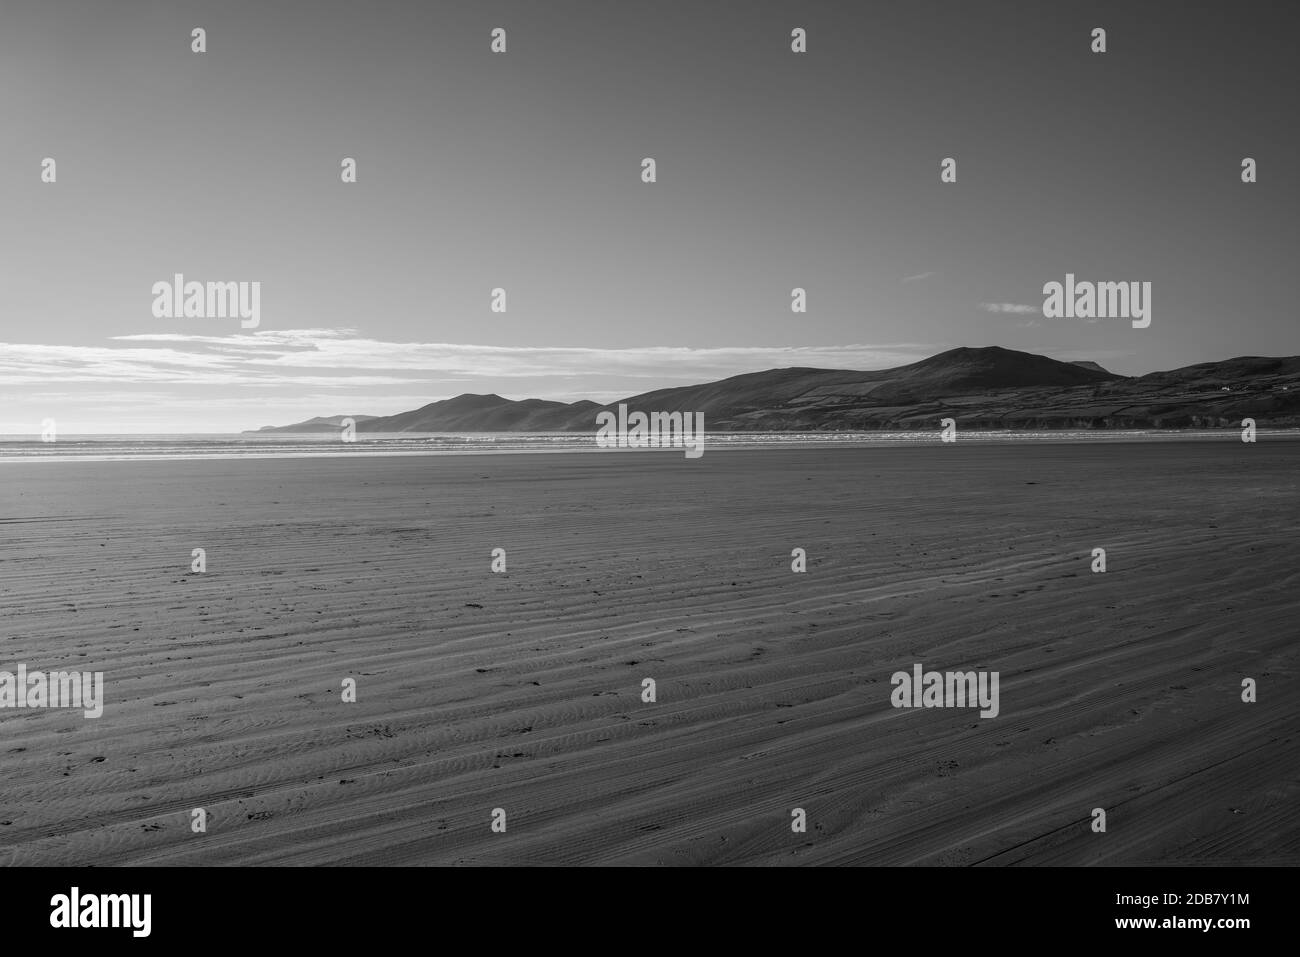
980 387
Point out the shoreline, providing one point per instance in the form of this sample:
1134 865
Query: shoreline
127 449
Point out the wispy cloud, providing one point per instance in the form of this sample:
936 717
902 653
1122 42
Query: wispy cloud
296 354
170 381
918 277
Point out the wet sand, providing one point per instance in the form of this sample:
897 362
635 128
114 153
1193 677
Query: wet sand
522 690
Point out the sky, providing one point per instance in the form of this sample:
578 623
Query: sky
522 171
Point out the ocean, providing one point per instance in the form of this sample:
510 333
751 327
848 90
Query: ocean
252 445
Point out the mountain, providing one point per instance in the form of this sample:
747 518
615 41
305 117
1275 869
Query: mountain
486 413
982 388
322 423
801 397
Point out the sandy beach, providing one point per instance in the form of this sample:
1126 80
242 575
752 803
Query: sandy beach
523 690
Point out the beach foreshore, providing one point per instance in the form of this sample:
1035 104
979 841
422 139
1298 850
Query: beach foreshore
523 690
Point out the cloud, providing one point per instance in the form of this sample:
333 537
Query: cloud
1012 307
918 277
172 382
341 358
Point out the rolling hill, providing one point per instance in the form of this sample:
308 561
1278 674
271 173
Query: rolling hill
982 388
